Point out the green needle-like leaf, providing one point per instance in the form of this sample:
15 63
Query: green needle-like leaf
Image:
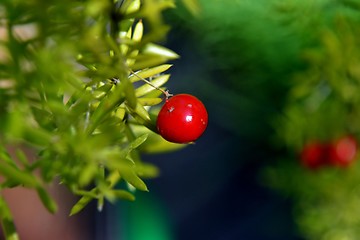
149 101
129 93
125 195
7 221
48 202
150 72
156 83
129 175
16 175
80 205
157 50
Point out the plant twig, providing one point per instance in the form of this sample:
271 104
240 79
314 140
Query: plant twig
7 222
165 92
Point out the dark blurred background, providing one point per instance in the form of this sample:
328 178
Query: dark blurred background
212 189
249 62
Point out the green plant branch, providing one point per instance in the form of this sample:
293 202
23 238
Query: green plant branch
165 92
63 103
7 221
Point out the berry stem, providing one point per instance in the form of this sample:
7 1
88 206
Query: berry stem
165 92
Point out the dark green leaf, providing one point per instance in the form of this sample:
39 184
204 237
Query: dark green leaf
14 174
7 222
48 202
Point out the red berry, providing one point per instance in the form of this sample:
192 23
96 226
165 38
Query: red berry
182 119
314 155
343 151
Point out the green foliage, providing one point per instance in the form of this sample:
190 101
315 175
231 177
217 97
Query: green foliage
326 202
70 87
323 104
323 98
242 41
287 74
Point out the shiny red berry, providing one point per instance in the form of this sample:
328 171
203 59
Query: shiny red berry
314 155
182 119
343 151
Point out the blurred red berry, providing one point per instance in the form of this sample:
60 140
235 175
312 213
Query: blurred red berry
314 155
343 151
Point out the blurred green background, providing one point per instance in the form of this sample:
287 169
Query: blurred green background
273 75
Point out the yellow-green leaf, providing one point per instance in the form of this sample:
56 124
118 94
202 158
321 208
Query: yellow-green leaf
129 175
80 205
138 141
155 49
131 6
156 83
138 31
102 91
156 144
147 170
130 93
140 113
149 72
193 6
125 195
149 101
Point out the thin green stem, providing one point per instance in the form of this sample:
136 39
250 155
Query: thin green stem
7 221
165 92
